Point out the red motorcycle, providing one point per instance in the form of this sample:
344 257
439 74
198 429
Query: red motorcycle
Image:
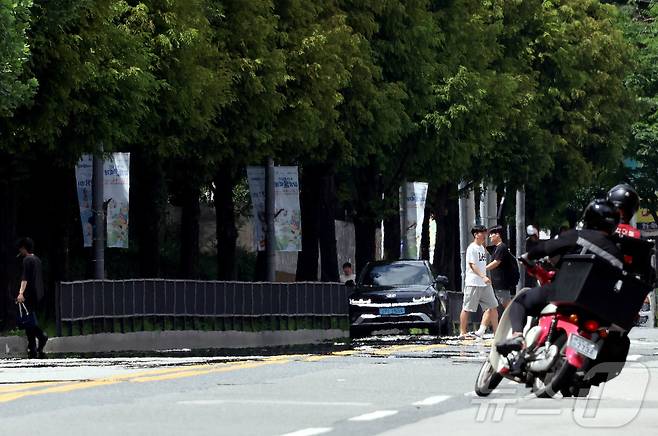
580 339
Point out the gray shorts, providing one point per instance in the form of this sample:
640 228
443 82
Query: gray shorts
504 296
475 296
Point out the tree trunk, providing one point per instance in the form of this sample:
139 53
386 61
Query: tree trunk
61 204
189 250
327 228
425 235
227 233
307 261
392 231
365 243
8 235
446 253
148 201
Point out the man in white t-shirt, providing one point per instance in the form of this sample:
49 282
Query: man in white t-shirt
477 286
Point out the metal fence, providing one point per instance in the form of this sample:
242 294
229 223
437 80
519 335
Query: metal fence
186 301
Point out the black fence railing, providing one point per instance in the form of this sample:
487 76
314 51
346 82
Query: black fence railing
109 305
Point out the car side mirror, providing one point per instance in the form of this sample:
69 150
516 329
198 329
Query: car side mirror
442 280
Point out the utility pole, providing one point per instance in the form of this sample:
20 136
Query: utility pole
520 232
99 214
466 220
404 221
270 238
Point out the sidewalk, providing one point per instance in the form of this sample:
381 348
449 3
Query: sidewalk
159 341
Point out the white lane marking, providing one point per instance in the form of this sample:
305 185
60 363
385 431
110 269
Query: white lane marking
633 357
275 402
539 412
431 400
374 415
309 431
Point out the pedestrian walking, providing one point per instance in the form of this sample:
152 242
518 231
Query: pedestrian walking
29 294
477 286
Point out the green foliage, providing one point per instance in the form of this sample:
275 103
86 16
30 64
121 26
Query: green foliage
15 87
641 29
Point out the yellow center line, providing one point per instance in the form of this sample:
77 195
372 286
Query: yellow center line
344 353
315 358
56 389
25 386
210 370
139 377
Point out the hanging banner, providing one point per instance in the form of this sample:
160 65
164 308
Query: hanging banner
116 193
412 218
287 215
287 211
83 175
646 224
256 179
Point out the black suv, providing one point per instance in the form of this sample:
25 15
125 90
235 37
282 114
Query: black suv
398 294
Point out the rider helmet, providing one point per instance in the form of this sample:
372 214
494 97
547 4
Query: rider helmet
625 198
601 215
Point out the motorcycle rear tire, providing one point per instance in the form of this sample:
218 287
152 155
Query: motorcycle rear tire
488 379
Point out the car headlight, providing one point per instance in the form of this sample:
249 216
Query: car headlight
359 302
423 300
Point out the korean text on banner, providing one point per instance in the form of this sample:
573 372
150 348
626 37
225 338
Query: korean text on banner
287 212
83 175
116 192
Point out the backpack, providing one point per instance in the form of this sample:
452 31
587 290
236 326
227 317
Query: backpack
512 273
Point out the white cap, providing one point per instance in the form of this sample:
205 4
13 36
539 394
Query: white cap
531 230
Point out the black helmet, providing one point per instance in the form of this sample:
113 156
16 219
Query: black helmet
625 198
602 215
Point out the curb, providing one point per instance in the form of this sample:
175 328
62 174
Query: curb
159 341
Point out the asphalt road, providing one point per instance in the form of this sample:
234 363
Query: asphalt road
393 385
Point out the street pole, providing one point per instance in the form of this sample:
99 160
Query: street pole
270 238
466 219
484 205
404 222
99 215
520 232
492 198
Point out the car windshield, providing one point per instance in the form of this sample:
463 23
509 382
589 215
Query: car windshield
397 274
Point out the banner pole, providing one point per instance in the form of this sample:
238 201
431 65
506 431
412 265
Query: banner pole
99 214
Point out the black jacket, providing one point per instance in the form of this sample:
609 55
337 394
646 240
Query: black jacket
575 241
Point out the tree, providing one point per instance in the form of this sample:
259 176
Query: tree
15 87
243 133
641 29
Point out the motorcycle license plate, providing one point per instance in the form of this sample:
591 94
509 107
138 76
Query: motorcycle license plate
583 346
391 311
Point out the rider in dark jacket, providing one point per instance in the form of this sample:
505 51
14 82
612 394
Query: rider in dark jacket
600 220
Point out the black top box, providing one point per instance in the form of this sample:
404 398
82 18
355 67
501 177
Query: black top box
604 290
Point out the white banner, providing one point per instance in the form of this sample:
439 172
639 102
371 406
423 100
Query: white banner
288 216
287 212
415 214
83 175
256 179
116 192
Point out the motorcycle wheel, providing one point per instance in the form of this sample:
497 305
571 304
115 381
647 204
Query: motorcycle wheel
488 379
554 381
